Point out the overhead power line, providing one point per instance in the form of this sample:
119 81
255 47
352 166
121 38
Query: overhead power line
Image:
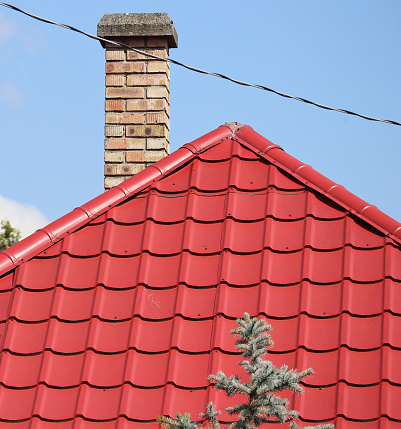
222 76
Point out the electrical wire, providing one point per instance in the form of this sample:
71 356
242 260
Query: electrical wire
219 75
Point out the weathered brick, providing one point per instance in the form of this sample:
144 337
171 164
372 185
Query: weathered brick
147 105
139 143
147 80
110 169
146 131
158 67
113 131
115 80
134 42
125 92
110 181
145 155
125 67
113 143
157 42
137 107
122 169
161 53
158 92
114 105
157 144
115 55
158 118
114 156
125 118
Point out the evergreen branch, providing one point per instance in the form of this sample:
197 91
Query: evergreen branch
237 409
210 416
180 422
263 404
231 385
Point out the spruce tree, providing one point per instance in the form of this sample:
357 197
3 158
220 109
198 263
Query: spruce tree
262 404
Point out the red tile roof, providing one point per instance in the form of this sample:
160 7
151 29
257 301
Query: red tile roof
117 312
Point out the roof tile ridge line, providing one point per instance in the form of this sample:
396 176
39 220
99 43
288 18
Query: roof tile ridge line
57 230
213 138
234 127
315 180
254 141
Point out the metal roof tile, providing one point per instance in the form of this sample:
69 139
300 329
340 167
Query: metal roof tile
117 312
163 239
24 338
31 275
59 370
85 242
6 281
98 404
16 404
211 234
20 371
250 176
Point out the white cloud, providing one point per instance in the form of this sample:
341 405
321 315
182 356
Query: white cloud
10 94
25 217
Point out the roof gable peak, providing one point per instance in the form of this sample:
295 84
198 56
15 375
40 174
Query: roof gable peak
242 134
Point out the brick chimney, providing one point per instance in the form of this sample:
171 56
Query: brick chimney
137 103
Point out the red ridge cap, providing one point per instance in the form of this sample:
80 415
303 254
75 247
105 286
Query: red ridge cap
213 138
234 127
57 230
258 142
308 176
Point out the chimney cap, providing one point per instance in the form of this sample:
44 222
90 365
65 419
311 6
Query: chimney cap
138 25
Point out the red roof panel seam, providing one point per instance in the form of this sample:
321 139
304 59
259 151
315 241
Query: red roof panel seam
9 307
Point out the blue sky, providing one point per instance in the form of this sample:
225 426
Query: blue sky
344 54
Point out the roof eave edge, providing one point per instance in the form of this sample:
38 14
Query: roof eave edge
309 177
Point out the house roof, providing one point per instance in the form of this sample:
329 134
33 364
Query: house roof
117 312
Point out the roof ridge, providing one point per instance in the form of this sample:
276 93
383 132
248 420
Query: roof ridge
244 134
80 216
315 180
234 127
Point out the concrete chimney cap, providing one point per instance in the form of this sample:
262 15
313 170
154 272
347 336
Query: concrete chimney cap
138 25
